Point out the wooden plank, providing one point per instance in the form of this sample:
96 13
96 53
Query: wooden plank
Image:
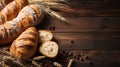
96 32
98 54
82 12
78 41
84 24
98 58
94 0
94 8
99 63
96 4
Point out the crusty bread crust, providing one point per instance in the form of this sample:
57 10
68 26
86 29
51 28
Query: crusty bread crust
29 16
25 45
11 10
3 3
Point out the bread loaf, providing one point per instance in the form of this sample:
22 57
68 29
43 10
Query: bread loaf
49 49
29 16
25 45
11 10
3 3
45 35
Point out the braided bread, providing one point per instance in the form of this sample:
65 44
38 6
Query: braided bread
25 45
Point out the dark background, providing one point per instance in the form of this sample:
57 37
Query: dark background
95 31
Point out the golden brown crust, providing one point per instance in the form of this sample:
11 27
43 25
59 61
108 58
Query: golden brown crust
9 32
22 2
38 11
3 3
26 18
26 44
11 10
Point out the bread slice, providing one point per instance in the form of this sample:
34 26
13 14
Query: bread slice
45 35
49 49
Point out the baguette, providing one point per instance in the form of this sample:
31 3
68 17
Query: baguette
45 35
3 3
49 49
29 16
25 45
11 10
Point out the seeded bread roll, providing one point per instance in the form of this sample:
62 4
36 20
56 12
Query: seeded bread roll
49 49
25 45
45 35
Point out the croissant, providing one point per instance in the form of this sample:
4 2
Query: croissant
29 16
11 10
3 3
25 45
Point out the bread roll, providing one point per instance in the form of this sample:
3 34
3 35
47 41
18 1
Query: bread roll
49 49
26 44
45 35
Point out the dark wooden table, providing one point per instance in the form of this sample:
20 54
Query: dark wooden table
95 31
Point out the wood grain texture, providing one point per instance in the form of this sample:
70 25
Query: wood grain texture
95 31
94 8
87 24
99 58
98 40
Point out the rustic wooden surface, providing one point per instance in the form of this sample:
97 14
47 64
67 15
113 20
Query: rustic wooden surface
95 31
